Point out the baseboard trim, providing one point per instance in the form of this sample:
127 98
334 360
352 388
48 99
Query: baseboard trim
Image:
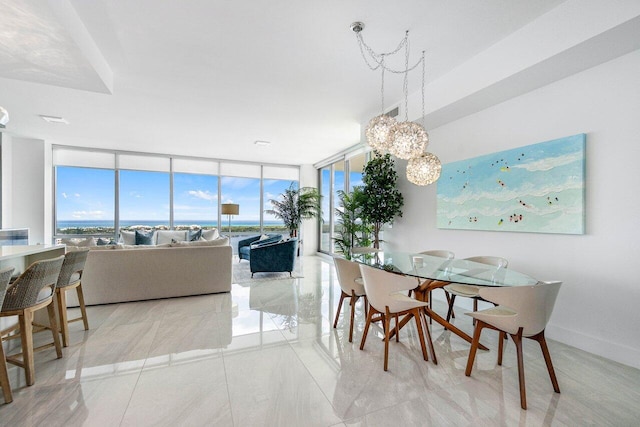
609 350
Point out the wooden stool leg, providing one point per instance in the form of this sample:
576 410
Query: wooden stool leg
26 338
54 329
4 377
83 308
61 300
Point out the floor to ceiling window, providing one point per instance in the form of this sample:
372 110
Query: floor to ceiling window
195 193
85 201
339 175
325 193
99 192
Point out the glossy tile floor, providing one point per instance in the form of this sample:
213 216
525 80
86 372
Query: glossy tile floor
267 355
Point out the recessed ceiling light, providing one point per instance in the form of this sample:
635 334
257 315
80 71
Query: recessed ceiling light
54 119
262 143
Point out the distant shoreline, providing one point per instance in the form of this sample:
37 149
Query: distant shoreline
107 228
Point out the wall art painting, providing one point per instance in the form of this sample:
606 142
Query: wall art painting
538 188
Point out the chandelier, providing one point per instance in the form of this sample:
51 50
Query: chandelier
405 140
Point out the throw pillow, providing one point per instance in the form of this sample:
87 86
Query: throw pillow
167 236
263 237
144 238
194 235
127 237
210 234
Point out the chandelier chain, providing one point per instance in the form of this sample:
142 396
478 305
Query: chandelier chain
377 57
405 85
382 86
423 70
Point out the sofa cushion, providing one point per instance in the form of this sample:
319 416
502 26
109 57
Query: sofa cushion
223 241
128 237
144 238
194 235
210 234
167 236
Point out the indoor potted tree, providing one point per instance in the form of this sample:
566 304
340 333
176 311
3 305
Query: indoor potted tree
382 201
351 230
294 205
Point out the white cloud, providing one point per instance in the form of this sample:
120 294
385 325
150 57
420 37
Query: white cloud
76 194
204 195
64 195
87 214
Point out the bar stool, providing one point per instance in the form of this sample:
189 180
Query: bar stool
5 276
32 291
70 278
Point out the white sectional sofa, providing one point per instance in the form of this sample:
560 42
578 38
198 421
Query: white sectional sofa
121 273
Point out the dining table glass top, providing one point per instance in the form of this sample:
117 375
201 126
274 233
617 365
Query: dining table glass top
446 270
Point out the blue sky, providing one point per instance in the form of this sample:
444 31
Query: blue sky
88 194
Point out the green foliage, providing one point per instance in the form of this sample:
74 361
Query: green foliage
350 229
294 205
382 200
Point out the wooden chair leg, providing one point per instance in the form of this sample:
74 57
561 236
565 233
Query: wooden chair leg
429 340
335 322
474 346
517 339
475 308
354 298
54 329
446 294
26 338
61 300
83 307
501 347
418 317
386 320
4 377
547 359
366 327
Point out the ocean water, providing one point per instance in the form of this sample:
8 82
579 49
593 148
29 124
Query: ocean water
205 223
537 188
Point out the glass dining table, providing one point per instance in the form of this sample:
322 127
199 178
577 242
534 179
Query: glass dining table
433 272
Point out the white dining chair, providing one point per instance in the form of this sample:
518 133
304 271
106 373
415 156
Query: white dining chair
386 301
521 312
351 287
471 291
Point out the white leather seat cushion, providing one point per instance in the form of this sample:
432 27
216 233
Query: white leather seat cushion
463 290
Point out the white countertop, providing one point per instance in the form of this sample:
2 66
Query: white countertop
9 252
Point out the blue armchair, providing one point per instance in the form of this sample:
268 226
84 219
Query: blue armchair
273 257
244 246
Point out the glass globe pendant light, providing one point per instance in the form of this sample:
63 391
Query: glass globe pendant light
424 170
408 139
377 132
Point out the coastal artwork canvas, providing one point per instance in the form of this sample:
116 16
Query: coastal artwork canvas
538 188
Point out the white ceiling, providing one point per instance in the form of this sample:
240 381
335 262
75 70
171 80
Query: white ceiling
210 77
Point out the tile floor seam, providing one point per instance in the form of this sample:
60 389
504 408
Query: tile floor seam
226 380
133 390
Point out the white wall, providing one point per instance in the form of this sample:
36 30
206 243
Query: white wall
23 184
598 308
